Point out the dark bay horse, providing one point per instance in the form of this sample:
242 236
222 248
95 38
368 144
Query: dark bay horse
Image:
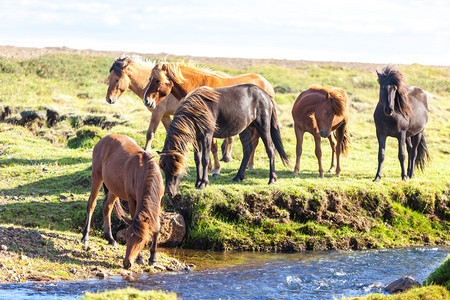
182 78
323 112
133 73
401 112
220 112
132 174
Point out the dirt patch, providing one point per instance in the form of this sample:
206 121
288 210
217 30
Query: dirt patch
27 53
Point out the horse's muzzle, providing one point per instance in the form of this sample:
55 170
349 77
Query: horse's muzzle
388 112
324 133
149 103
111 101
126 265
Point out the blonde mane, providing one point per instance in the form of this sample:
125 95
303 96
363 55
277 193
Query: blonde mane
337 96
165 71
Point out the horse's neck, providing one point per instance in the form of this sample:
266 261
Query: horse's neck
139 76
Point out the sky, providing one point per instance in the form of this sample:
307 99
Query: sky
375 31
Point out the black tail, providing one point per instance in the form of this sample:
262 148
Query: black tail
423 156
276 138
118 208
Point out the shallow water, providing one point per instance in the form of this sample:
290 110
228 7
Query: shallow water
306 275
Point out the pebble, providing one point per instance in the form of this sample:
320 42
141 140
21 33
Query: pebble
102 275
23 257
73 271
3 248
63 198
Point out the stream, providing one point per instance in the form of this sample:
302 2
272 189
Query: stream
244 275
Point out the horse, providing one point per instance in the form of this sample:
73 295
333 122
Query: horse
221 112
130 173
401 112
182 78
132 73
323 112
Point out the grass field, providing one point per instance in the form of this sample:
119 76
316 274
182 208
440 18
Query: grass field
45 171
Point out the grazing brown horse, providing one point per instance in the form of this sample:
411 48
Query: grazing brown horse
182 78
401 112
132 174
133 73
321 111
220 112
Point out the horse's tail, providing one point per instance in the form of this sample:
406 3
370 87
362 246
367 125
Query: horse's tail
346 140
276 137
118 208
120 212
423 156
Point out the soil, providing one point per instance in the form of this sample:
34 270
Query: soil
27 53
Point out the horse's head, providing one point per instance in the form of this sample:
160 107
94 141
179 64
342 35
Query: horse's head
324 116
389 80
172 165
118 81
158 87
135 244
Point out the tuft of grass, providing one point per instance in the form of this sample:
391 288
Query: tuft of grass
440 276
433 292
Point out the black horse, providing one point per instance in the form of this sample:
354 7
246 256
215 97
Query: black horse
222 112
402 112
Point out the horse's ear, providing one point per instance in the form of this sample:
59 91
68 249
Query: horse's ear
378 74
164 67
159 153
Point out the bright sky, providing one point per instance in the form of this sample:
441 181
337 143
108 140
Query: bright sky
379 31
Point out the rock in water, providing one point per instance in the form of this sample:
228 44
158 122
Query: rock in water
402 284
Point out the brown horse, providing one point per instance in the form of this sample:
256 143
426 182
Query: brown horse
183 78
133 73
129 173
320 111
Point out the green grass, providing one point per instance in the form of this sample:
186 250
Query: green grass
39 164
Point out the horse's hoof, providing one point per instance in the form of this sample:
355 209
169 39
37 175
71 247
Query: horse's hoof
249 167
377 179
225 159
236 179
321 175
215 175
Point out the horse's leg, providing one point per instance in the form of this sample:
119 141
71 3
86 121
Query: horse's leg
255 141
206 159
166 121
401 153
409 149
299 136
197 159
264 133
95 188
154 122
247 147
415 142
318 151
333 152
108 205
381 154
215 151
152 258
226 149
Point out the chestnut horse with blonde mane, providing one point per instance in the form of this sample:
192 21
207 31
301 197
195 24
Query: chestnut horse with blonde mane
133 73
221 112
323 112
182 78
132 174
